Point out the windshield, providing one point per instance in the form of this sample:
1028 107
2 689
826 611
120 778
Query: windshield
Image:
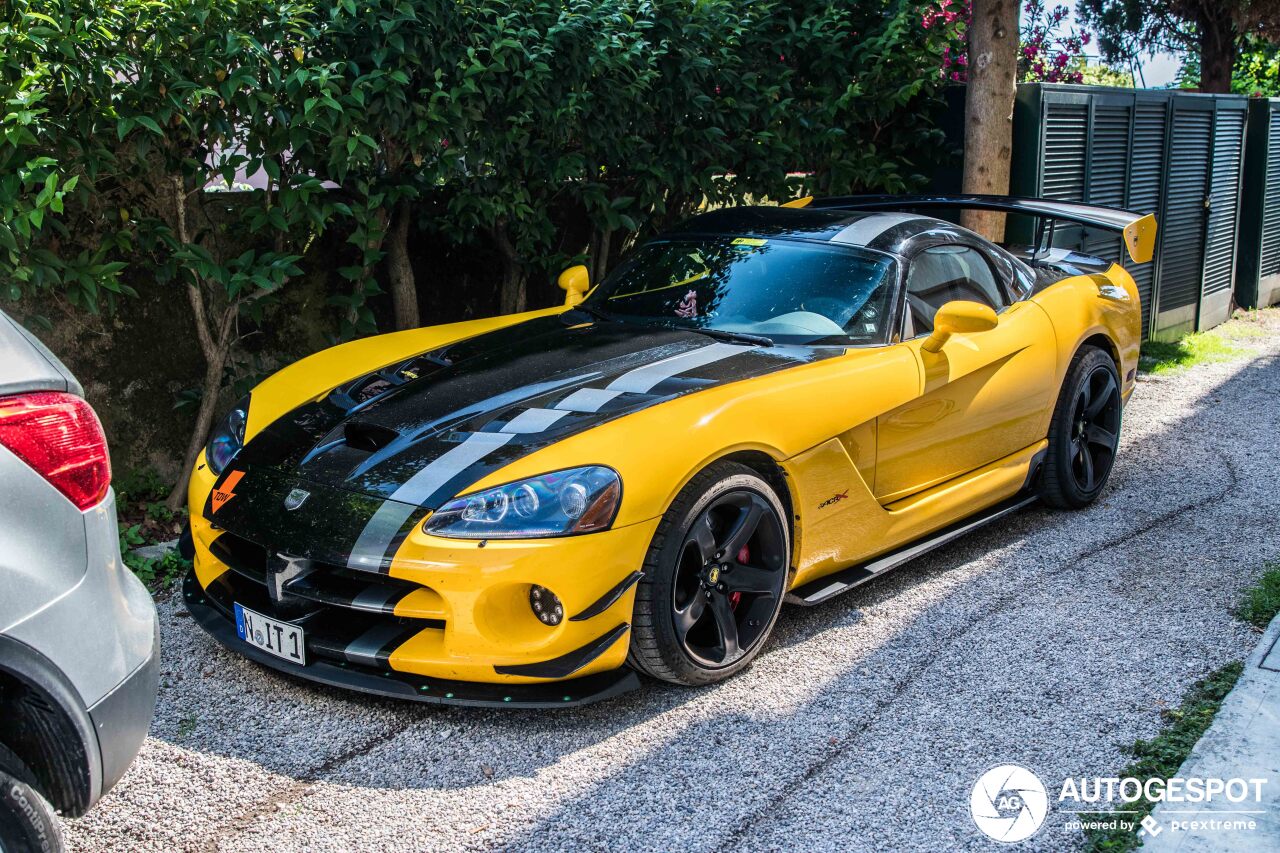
789 291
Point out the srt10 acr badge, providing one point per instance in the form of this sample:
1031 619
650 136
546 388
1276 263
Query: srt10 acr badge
295 499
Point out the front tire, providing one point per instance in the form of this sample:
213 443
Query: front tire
1084 433
714 578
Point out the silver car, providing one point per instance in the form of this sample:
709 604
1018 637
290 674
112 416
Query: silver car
78 632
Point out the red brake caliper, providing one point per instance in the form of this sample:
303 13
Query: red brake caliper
744 554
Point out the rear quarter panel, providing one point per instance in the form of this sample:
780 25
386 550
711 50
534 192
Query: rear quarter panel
1085 306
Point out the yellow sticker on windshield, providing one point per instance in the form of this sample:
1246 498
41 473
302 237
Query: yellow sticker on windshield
748 241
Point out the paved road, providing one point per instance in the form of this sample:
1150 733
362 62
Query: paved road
1049 641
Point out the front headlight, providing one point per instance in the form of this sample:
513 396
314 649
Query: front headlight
227 438
562 503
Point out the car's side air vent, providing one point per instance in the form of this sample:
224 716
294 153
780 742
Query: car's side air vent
368 437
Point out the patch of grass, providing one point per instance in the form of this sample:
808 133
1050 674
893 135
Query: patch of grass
187 725
156 574
145 520
1196 348
142 485
1161 756
1262 601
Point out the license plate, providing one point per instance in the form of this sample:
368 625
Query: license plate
272 636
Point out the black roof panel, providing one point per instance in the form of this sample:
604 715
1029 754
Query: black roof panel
882 231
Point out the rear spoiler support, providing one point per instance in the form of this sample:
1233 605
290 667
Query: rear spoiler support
1139 230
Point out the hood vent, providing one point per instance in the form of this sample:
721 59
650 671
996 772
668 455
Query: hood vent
368 437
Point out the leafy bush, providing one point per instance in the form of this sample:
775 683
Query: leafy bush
211 145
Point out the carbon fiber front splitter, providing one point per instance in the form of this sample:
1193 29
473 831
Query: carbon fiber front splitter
403 685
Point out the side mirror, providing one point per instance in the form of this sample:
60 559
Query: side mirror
575 282
959 318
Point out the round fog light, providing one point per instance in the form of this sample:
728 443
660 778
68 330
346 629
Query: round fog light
546 606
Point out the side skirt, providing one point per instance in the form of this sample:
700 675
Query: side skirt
822 589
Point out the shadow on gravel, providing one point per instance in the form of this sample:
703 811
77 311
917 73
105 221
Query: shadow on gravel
827 679
1078 580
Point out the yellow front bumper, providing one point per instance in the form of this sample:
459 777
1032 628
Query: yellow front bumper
480 592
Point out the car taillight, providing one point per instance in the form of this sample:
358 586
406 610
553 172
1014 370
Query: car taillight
61 438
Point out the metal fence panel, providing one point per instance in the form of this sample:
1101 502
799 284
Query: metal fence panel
1258 258
1171 153
1224 206
1146 186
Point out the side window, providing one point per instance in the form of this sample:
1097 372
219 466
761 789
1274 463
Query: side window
942 274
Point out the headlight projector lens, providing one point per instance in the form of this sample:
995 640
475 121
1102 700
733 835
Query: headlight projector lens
546 606
558 503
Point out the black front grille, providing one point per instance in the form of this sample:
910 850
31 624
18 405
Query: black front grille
347 615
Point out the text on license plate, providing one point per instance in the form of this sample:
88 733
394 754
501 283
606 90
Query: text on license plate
272 636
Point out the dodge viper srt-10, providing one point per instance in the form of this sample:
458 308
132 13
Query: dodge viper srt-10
765 404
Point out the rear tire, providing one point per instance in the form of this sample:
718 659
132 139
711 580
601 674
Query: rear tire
714 578
1084 433
27 822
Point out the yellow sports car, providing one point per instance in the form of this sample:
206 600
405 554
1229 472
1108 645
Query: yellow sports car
765 404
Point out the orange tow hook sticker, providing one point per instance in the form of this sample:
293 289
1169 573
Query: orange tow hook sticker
227 492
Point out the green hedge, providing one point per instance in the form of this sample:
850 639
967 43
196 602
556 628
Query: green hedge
364 122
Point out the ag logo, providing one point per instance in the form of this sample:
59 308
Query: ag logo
1008 803
295 499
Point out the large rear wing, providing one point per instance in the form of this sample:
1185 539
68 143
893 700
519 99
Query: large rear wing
1139 229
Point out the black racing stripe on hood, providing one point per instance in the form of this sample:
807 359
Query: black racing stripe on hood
322 529
478 407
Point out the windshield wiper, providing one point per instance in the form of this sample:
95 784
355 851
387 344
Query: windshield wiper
732 337
589 310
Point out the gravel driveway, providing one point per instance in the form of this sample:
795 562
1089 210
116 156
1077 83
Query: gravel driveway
1049 641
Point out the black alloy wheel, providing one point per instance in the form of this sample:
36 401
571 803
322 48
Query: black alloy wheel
1095 428
714 579
1084 434
729 579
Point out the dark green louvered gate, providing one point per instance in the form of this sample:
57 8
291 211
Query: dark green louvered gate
1174 154
1258 265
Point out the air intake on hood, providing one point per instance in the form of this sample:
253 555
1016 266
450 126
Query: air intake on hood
368 437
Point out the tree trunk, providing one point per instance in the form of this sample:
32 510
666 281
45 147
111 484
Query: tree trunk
404 289
1217 51
203 425
216 352
512 295
988 108
600 256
